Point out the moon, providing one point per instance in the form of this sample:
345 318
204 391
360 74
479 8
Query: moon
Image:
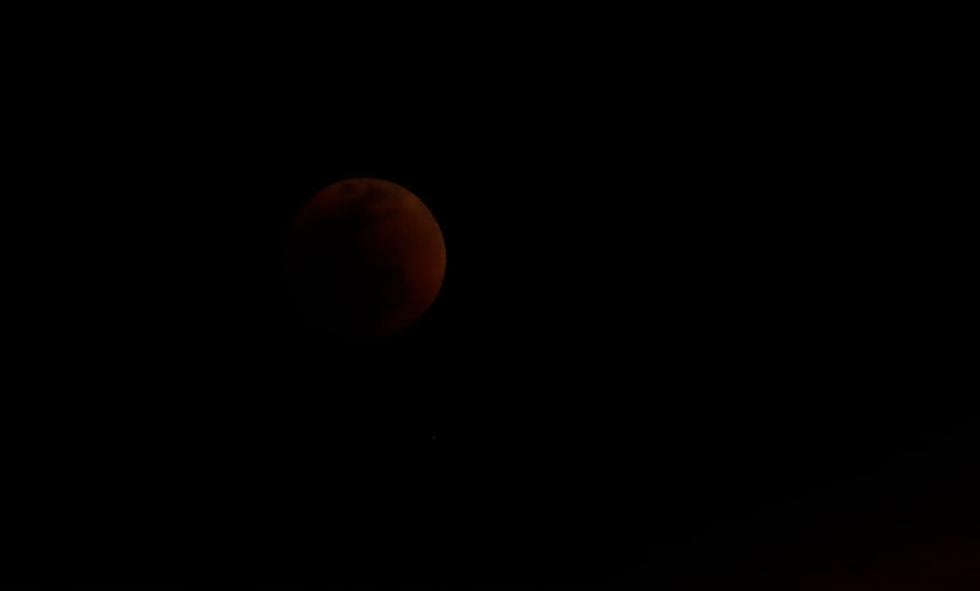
365 258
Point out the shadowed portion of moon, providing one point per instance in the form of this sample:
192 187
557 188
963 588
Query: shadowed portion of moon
365 258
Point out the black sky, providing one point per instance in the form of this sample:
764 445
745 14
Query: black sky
682 290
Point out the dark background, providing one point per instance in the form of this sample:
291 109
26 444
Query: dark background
692 288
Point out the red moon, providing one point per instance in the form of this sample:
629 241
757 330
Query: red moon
365 258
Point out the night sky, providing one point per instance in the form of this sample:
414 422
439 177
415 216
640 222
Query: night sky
701 323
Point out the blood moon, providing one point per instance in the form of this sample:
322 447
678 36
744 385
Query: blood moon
365 258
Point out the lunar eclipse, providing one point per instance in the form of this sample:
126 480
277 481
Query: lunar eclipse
365 259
